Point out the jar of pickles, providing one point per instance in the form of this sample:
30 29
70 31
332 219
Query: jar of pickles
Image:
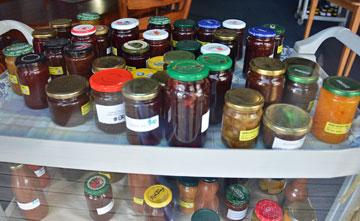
40 36
205 214
229 38
279 38
85 34
156 63
190 46
136 53
54 52
158 41
215 48
187 191
62 27
267 210
178 55
159 22
90 18
207 195
184 29
239 27
143 73
241 118
236 200
108 62
78 58
159 207
138 183
206 29
272 186
124 30
338 101
103 47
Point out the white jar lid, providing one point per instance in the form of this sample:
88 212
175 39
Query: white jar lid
125 23
83 30
155 35
234 24
215 48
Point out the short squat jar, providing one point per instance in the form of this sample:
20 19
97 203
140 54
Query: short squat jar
62 27
238 26
177 55
84 34
158 203
229 38
108 62
123 30
158 41
136 53
279 38
40 36
159 22
103 47
78 59
215 48
206 29
267 210
184 29
88 18
190 46
54 52
236 200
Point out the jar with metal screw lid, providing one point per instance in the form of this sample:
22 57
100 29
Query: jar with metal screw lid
236 200
206 29
279 38
40 36
84 34
90 18
177 55
238 26
108 62
184 29
78 58
158 41
190 46
229 38
136 53
54 52
159 207
103 47
123 30
62 26
159 22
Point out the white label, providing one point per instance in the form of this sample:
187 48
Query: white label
40 172
29 206
142 125
236 215
108 50
205 121
287 144
105 209
111 114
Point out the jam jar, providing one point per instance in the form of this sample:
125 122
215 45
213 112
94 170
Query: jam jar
220 75
107 62
88 18
279 38
267 210
187 191
143 73
215 48
62 27
205 214
158 41
206 29
138 183
99 197
11 53
33 75
236 200
103 47
41 175
178 55
85 34
142 111
39 38
162 78
338 101
159 22
207 194
108 101
266 75
259 43
184 29
187 103
190 46
156 63
229 38
238 26
242 117
123 30
136 53
69 100
159 207
54 52
78 58
272 186
285 126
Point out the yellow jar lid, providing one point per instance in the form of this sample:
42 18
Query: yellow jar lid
268 66
158 196
156 63
143 73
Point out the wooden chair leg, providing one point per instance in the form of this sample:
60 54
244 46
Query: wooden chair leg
350 64
310 21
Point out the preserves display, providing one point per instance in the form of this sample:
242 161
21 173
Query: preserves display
156 63
206 29
238 26
228 37
215 48
143 72
272 186
158 41
108 62
136 53
159 207
91 18
178 55
184 29
236 200
205 214
103 47
123 30
190 46
159 22
338 101
207 194
267 210
79 58
85 34
62 27
39 38
279 38
54 52
41 174
187 191
138 183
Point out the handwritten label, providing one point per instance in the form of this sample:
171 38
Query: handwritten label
29 206
105 209
287 144
142 125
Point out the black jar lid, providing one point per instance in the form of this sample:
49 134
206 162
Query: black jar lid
188 45
77 49
56 43
67 87
141 89
30 59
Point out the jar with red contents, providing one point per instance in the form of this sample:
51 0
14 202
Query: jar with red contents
40 36
62 26
158 41
79 58
236 200
123 30
159 22
206 30
42 175
207 195
136 53
54 52
103 47
239 27
229 38
85 34
267 210
184 29
279 38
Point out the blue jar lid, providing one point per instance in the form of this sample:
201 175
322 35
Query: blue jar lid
209 23
262 32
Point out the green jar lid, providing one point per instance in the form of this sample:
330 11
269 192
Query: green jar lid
189 181
279 30
136 47
17 49
205 215
96 185
177 55
302 74
159 20
342 86
187 70
215 62
188 45
237 194
184 23
88 16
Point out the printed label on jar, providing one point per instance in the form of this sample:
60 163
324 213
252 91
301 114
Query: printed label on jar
280 49
130 68
138 201
236 215
105 209
108 50
337 129
287 144
29 206
40 172
114 51
205 121
310 106
25 89
247 135
142 125
56 71
13 79
111 114
174 43
85 109
187 205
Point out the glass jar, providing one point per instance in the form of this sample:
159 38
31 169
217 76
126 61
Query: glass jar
215 48
62 27
54 52
207 195
143 73
138 183
229 38
11 53
267 210
33 75
109 103
338 101
279 38
285 126
184 29
299 211
69 100
99 197
220 76
206 29
266 75
108 62
156 63
136 53
187 191
297 191
238 26
142 111
190 46
90 18
236 200
259 43
272 186
162 78
123 30
187 104
41 174
85 34
159 207
205 214
241 118
79 58
103 47
159 22
158 41
39 38
178 55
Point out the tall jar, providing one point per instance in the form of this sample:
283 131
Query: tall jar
190 46
88 18
206 29
54 52
79 58
158 41
138 183
279 38
103 47
241 118
238 26
338 101
108 62
236 200
207 195
187 104
40 36
184 29
159 22
62 27
229 38
205 214
178 55
215 48
123 30
84 34
159 207
267 210
187 192
136 53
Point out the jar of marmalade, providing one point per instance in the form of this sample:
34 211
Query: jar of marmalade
236 200
229 38
187 191
143 73
138 183
103 47
184 29
158 41
190 46
89 18
108 62
178 55
215 48
159 22
159 207
205 214
124 30
85 34
206 29
62 27
238 26
267 210
39 38
279 38
54 52
78 58
156 63
136 53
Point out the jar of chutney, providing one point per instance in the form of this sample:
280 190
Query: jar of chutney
158 41
177 55
159 22
215 48
279 38
158 200
206 29
136 53
88 18
190 46
108 62
103 47
184 29
123 30
62 27
236 200
40 36
238 26
85 34
229 38
78 58
268 210
54 52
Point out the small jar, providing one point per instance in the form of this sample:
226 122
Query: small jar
40 36
33 75
205 214
187 191
159 22
267 76
62 27
69 100
279 38
41 175
272 186
190 46
84 34
207 195
108 62
337 106
88 18
123 30
136 53
178 55
206 29
159 207
267 210
184 29
285 126
229 38
138 183
220 75
11 53
108 101
143 73
103 47
215 48
158 41
142 111
99 197
54 52
236 200
238 26
241 118
79 58
156 63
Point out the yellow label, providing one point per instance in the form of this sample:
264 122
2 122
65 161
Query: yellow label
247 135
310 106
143 73
13 79
202 42
85 109
138 201
56 71
174 43
130 68
280 49
25 89
114 51
186 205
337 129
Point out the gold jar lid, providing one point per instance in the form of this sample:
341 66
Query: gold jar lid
44 33
101 29
268 66
244 99
67 87
60 23
141 89
225 34
106 62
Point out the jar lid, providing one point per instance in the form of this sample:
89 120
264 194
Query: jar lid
28 59
67 86
188 45
136 47
109 80
188 181
209 23
205 215
44 33
237 194
225 34
101 29
184 23
209 179
143 72
162 77
187 70
107 62
74 49
215 62
83 30
303 61
88 16
268 210
60 23
244 99
172 56
301 74
268 66
262 32
234 24
17 49
279 30
125 24
141 89
216 48
56 43
287 119
342 86
158 196
156 63
155 35
97 185
159 20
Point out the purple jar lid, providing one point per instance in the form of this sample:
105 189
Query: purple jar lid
262 32
209 23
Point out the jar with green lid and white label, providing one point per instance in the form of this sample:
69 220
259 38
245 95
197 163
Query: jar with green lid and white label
91 18
236 200
159 22
136 53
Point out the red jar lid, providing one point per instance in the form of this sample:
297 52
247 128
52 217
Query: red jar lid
268 210
109 80
83 30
